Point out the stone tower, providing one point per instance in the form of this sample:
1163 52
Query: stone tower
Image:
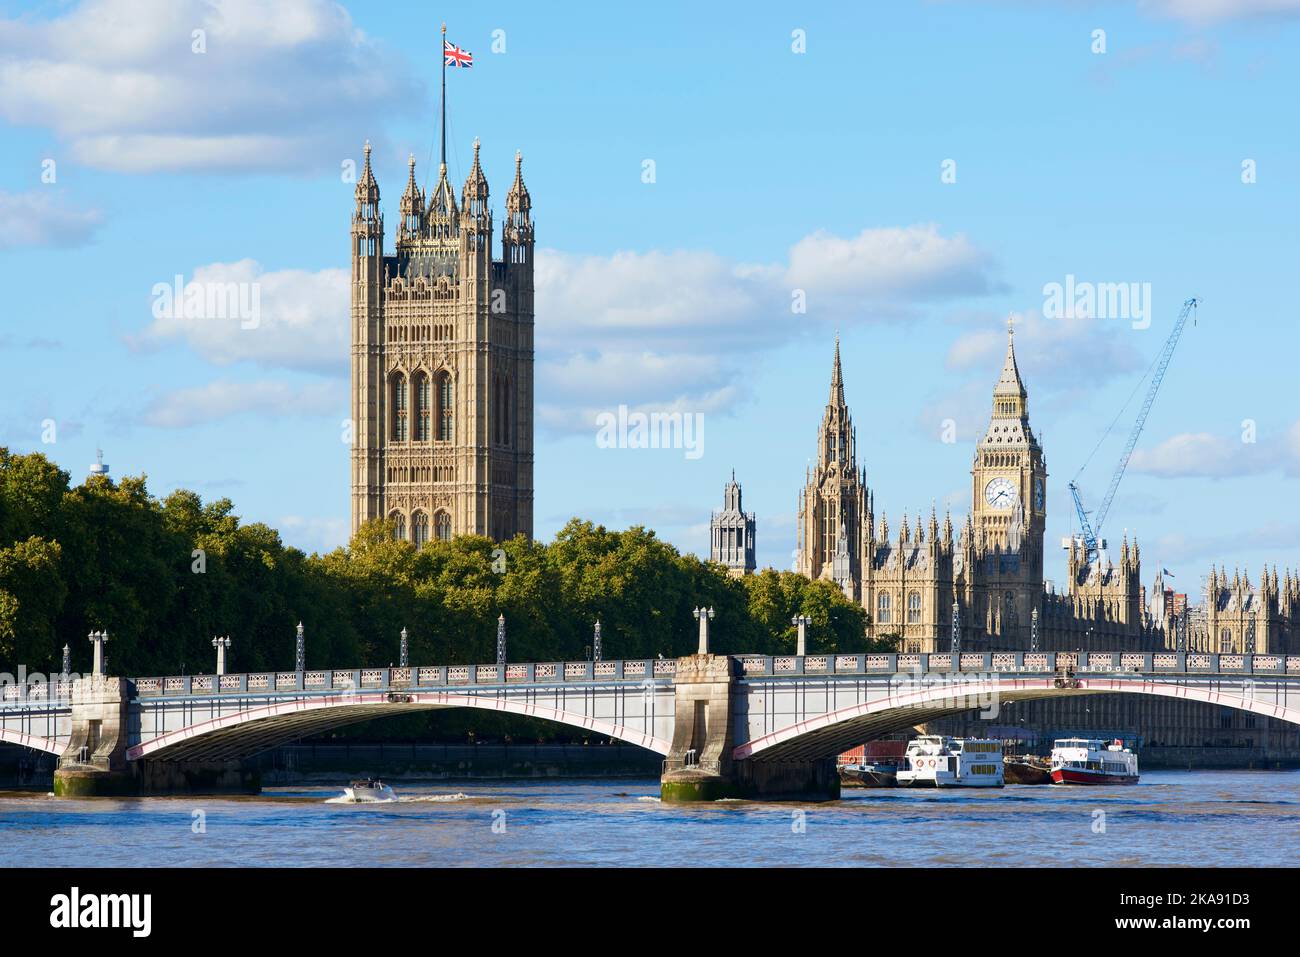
834 496
442 361
731 533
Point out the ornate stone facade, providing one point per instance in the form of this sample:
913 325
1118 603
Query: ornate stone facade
731 533
442 361
990 574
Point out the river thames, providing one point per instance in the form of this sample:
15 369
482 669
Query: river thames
1170 818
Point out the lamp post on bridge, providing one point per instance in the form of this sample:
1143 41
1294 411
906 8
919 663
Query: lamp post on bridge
1033 630
300 651
67 660
97 638
956 630
221 644
595 642
501 639
403 656
802 621
704 615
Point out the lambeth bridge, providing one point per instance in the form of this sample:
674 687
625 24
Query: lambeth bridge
749 725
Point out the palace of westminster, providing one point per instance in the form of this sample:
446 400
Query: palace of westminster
442 393
930 586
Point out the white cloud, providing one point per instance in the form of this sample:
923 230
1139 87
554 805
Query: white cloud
215 401
301 321
1206 11
676 331
1054 348
312 534
280 86
891 264
1207 455
41 217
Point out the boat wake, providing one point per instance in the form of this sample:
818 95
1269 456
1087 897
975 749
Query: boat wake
434 798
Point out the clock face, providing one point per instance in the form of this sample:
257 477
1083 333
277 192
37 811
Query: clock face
1038 495
1000 493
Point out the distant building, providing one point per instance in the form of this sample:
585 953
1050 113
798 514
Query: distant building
991 565
99 468
731 533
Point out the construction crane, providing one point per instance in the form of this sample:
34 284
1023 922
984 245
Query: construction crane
1091 533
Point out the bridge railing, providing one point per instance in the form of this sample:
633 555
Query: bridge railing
400 679
1019 662
443 676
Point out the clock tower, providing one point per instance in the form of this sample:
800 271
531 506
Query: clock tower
1009 482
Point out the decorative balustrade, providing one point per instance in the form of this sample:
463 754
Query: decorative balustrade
757 666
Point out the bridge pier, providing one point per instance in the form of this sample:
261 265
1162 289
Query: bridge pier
817 780
700 767
198 777
94 762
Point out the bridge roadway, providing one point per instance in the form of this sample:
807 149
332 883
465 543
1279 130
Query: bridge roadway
752 724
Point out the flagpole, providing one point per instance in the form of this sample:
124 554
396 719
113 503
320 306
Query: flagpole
443 53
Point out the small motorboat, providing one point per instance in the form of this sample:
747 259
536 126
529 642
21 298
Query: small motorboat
368 791
871 774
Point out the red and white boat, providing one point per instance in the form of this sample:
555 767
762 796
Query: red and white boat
1091 761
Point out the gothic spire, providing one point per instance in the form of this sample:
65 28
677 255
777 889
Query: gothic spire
474 195
1010 383
412 205
837 378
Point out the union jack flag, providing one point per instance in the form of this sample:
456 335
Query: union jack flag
455 56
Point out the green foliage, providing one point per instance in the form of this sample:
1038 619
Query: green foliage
164 577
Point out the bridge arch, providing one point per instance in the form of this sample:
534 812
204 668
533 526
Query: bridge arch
34 741
836 731
244 733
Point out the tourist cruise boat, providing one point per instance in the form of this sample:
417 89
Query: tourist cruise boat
1090 761
939 761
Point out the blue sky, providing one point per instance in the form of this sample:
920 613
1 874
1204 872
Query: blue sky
775 171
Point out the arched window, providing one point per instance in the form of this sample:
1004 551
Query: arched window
399 526
882 609
1225 640
398 404
442 526
423 403
444 407
914 608
419 528
502 410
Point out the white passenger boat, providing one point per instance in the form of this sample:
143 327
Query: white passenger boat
1091 761
938 761
368 791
